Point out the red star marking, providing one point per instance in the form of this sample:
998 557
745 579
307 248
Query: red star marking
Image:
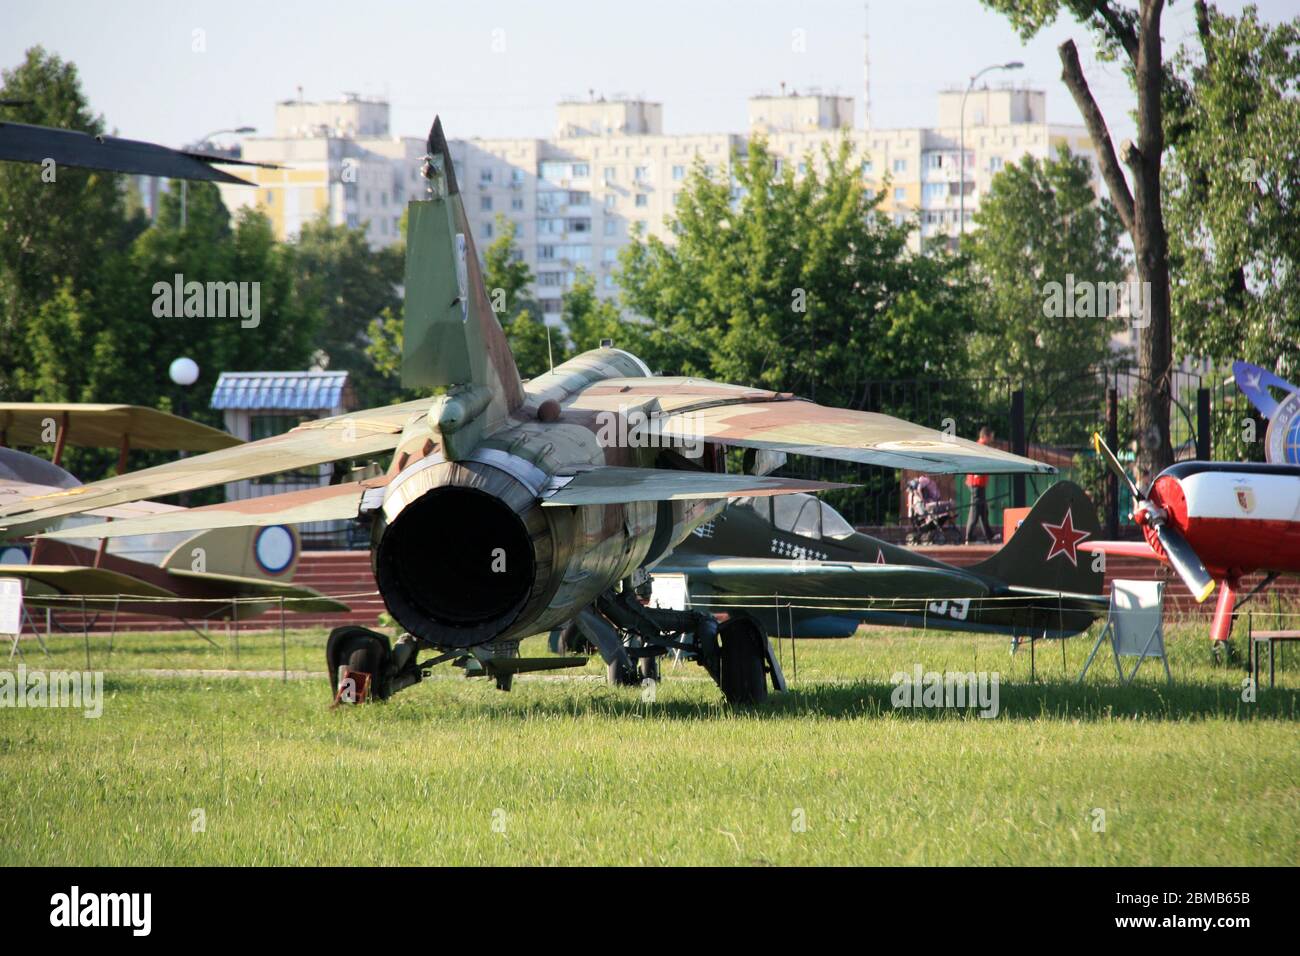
1065 538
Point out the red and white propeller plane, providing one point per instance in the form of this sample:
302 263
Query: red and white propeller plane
1215 522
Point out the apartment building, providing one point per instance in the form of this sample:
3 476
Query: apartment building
339 160
576 197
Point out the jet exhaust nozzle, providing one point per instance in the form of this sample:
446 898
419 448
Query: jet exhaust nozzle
461 550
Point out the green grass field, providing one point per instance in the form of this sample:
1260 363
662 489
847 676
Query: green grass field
572 771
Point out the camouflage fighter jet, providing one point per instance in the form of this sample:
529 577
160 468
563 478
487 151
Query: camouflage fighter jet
510 508
794 564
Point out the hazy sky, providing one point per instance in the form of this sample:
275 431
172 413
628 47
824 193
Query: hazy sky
700 58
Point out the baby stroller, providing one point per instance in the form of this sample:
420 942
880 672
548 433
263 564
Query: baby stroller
930 516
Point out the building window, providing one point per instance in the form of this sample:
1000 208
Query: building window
550 279
551 306
516 204
485 203
867 167
995 163
900 165
579 225
517 176
487 230
611 227
579 198
545 253
610 282
642 200
485 175
679 173
900 194
642 174
581 170
676 199
610 174
609 254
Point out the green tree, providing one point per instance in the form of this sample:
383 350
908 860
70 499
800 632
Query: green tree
534 345
57 224
589 319
791 283
1043 232
1133 38
1232 188
506 274
349 285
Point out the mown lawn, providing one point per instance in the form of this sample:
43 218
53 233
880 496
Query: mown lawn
572 771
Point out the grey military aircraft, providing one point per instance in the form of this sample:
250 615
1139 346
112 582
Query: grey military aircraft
509 507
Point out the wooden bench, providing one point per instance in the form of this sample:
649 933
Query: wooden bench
1254 638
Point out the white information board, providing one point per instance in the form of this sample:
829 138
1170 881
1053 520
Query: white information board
11 605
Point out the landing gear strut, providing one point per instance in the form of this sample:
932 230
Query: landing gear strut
632 638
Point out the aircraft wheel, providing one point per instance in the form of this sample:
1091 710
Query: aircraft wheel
1223 652
361 649
741 675
620 676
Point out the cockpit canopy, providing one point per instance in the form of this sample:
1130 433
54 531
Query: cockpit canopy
799 514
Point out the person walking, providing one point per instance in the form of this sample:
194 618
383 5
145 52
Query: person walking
979 502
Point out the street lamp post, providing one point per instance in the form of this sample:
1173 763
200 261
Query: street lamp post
961 158
184 372
199 144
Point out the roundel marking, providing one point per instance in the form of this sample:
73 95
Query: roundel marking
274 548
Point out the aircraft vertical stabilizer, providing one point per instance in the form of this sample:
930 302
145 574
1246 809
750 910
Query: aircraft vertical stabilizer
451 337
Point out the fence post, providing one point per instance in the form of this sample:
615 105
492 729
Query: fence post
1112 479
1018 445
1203 424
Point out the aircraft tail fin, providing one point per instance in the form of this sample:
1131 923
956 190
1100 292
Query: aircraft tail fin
451 336
1044 552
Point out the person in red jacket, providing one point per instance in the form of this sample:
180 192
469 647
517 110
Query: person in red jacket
979 502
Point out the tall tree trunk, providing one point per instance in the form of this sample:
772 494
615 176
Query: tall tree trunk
1151 245
1142 216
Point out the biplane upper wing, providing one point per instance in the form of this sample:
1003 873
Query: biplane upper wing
689 409
106 426
312 443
